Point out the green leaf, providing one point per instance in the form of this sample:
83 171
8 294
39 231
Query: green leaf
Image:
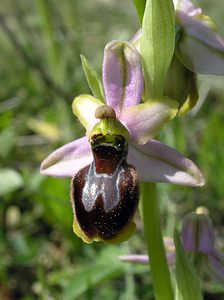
7 142
188 284
106 266
53 52
54 198
140 7
93 79
10 180
157 44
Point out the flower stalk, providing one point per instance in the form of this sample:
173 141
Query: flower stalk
158 33
153 234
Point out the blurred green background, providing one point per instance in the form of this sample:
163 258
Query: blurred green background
40 73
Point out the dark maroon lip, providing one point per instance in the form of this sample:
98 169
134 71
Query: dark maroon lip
97 220
105 194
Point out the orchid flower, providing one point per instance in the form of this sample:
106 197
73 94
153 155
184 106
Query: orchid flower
198 235
118 149
198 47
198 50
198 238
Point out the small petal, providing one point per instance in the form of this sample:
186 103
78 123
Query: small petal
144 259
192 98
122 75
135 258
157 162
84 107
169 244
145 120
68 159
135 39
187 7
199 48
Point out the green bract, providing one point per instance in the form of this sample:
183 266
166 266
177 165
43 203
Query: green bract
157 45
93 79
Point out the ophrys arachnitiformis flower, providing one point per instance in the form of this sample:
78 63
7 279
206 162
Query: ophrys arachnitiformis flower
118 150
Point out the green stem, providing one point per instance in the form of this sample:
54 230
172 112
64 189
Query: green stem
152 228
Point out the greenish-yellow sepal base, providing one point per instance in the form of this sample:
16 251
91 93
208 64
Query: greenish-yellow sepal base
110 127
125 234
84 107
191 100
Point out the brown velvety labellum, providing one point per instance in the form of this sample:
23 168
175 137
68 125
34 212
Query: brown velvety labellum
105 194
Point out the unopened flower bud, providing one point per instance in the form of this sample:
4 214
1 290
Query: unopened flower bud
198 233
181 86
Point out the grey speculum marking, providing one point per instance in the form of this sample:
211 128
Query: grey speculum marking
101 184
